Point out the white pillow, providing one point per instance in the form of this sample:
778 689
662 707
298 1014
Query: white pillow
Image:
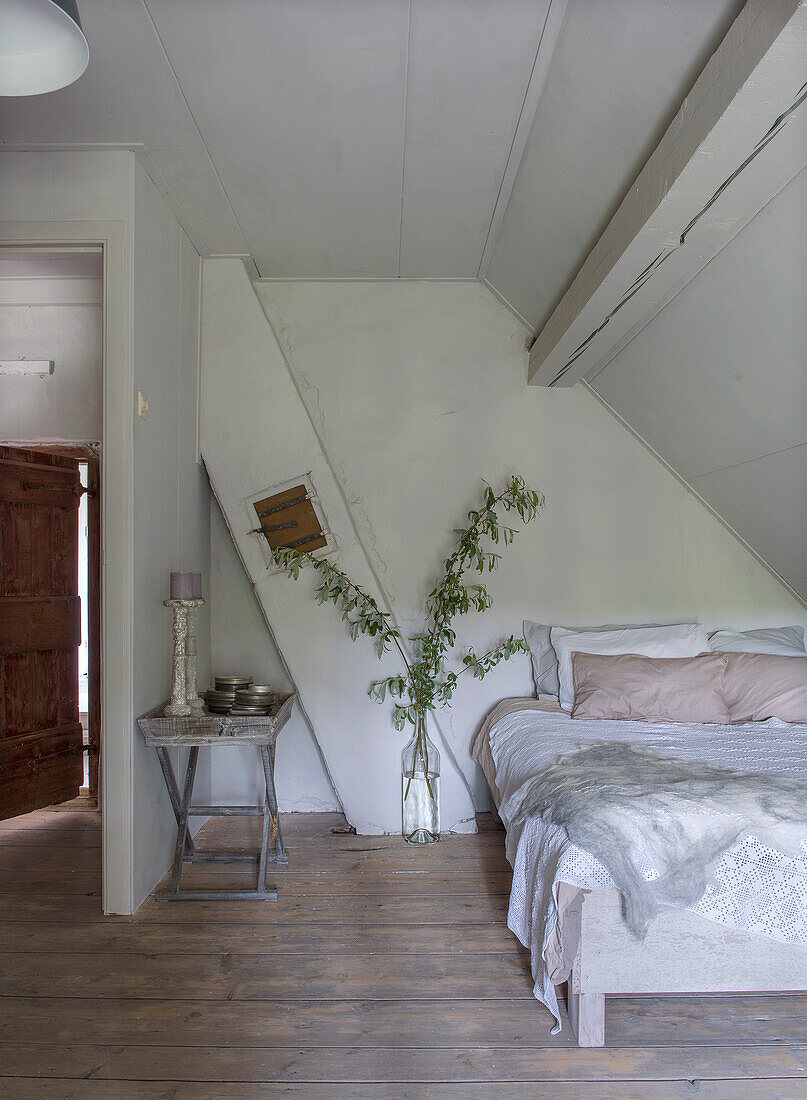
786 641
678 640
544 658
544 661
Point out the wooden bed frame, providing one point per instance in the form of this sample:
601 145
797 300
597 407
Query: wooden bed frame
681 953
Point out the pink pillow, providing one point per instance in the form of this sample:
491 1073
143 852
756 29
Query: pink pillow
650 689
759 686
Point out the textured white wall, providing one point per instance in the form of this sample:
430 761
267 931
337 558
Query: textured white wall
240 642
172 511
418 390
256 434
67 404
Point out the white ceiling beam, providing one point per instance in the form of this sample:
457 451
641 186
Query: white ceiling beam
739 137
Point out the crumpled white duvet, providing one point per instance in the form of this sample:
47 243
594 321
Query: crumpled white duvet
731 849
623 803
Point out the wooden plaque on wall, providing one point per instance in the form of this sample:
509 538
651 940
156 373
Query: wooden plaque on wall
288 519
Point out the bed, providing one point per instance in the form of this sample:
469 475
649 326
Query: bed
747 933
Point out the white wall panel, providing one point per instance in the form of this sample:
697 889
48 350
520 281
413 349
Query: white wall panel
156 301
256 434
67 404
766 501
193 499
171 505
90 181
42 186
26 187
241 643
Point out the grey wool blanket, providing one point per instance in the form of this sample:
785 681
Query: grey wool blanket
631 808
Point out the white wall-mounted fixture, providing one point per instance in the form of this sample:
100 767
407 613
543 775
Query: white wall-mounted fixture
26 366
42 46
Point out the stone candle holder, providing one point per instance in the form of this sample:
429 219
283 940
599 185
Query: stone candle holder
184 690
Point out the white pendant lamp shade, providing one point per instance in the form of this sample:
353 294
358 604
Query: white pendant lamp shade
42 46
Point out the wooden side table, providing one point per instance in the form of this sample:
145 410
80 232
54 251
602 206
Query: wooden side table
162 731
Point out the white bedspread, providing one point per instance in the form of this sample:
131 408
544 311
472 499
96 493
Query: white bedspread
755 887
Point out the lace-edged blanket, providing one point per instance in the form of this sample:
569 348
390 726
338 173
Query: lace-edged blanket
754 886
624 804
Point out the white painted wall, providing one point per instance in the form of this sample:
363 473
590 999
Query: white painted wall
67 404
418 390
172 511
240 642
61 197
256 434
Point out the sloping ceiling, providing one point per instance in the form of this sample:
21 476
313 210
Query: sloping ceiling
381 138
617 78
717 383
370 137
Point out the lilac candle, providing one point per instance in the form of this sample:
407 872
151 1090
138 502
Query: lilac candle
197 585
182 585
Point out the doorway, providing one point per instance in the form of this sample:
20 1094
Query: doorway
89 657
50 587
51 418
111 242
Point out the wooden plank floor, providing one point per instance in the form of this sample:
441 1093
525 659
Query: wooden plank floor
384 972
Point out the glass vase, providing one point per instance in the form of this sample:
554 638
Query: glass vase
420 788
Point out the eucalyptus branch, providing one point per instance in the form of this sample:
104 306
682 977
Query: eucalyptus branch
450 597
425 683
502 652
336 587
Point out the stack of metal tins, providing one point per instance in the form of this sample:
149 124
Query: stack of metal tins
256 699
222 699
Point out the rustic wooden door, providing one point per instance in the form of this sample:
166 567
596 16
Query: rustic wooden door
41 760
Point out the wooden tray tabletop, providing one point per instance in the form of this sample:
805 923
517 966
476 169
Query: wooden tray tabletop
204 728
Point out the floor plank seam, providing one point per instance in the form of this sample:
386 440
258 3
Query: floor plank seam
482 1082
557 1046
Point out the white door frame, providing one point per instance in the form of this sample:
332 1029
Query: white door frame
117 530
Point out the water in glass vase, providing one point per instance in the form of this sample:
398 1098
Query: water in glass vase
420 789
